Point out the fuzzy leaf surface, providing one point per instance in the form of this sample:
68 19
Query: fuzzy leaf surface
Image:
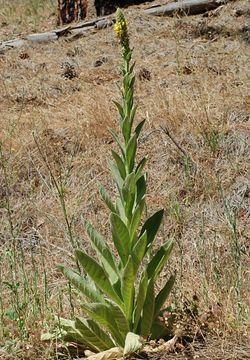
98 275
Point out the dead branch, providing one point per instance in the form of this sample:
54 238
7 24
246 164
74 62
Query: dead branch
185 7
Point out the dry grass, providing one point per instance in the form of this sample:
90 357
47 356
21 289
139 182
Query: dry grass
192 77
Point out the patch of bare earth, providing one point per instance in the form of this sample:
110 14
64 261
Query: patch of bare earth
192 87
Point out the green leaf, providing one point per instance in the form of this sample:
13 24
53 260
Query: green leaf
116 138
141 186
119 163
72 334
159 330
106 198
132 344
141 296
48 337
130 153
81 284
120 209
126 129
128 279
132 115
139 168
103 315
98 275
148 310
120 108
139 127
120 319
103 251
139 249
120 237
163 294
136 218
152 226
128 192
116 174
159 260
92 332
129 187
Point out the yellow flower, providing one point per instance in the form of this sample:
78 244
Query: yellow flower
121 29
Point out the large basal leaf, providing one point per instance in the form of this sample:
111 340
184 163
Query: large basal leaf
148 311
71 334
103 251
159 260
152 226
120 237
103 315
92 332
141 296
119 317
128 287
163 294
77 338
98 275
133 343
81 284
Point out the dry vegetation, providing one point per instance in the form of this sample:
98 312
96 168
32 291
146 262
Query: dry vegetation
56 108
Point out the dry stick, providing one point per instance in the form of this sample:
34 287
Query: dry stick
166 131
60 192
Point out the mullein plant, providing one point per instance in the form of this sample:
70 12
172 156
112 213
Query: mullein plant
120 302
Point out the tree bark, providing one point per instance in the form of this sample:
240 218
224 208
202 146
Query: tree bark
185 7
71 10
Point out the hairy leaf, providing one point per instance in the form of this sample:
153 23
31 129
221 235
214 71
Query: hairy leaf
128 279
152 226
103 315
159 260
132 343
106 198
141 296
163 294
103 250
81 284
92 332
148 310
119 163
120 237
98 275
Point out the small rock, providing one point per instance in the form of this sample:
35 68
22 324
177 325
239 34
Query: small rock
100 62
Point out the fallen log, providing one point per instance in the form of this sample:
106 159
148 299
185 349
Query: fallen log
69 32
185 7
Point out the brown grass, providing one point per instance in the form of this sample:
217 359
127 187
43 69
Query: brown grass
192 77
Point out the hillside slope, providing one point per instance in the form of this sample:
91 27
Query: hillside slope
192 87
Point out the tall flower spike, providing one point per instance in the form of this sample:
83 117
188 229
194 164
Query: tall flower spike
121 30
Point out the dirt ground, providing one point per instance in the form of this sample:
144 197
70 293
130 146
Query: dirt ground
192 87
